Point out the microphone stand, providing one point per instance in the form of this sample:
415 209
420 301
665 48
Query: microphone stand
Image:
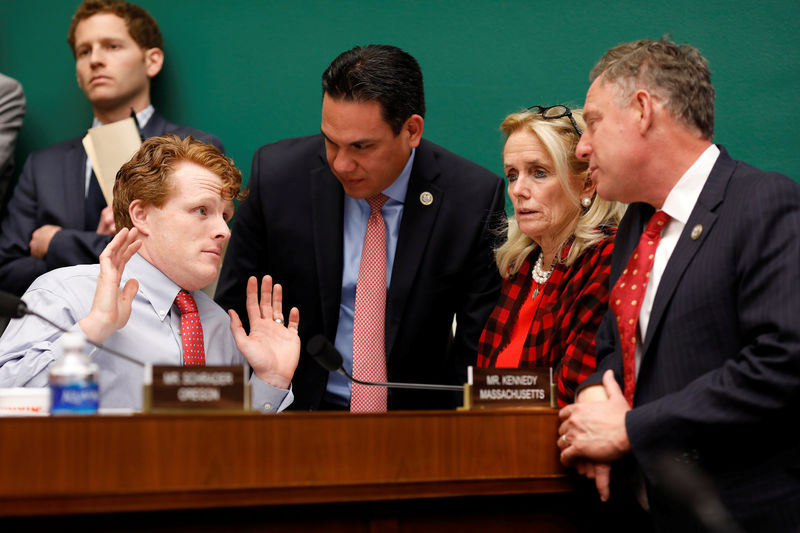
330 359
24 310
423 386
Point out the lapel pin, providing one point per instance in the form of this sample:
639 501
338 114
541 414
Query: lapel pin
426 198
696 232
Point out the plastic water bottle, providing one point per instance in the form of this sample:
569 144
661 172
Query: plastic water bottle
73 379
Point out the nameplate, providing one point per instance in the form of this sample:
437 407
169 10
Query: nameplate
509 388
197 388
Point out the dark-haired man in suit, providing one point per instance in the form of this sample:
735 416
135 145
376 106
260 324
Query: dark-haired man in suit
699 357
378 236
57 215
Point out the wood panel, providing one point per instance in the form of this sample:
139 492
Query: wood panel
159 462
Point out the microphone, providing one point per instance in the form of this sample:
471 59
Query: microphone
14 307
330 359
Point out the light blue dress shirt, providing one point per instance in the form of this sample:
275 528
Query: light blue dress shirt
356 215
152 335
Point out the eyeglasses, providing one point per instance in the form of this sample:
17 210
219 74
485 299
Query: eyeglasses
556 111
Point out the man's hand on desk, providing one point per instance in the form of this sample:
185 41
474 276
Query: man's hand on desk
592 433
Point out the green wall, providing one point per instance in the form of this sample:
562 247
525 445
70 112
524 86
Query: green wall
249 71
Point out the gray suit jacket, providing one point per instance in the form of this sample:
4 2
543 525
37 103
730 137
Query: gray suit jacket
51 191
12 111
719 382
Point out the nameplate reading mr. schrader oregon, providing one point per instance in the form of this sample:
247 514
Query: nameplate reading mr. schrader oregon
193 388
504 388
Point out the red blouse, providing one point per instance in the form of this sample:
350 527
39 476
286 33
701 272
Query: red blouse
509 356
560 332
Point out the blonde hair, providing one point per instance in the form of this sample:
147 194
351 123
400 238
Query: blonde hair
560 139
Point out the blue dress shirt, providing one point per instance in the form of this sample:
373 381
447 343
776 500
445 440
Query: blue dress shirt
356 215
152 335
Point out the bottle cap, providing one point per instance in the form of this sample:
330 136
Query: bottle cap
73 340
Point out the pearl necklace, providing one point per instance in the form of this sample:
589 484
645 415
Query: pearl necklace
540 276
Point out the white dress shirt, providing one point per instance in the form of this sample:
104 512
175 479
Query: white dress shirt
679 205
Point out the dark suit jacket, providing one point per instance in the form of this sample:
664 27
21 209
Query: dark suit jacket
51 191
291 228
719 382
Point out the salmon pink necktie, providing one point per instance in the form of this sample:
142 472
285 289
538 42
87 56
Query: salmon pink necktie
369 351
628 293
194 353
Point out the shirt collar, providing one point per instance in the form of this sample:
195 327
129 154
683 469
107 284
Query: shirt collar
681 199
142 117
154 285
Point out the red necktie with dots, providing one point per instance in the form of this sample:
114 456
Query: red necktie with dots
628 293
194 353
369 342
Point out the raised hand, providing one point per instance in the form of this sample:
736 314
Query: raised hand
271 348
111 306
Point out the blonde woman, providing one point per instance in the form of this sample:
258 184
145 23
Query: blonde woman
556 259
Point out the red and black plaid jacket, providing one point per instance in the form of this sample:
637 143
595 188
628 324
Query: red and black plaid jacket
562 333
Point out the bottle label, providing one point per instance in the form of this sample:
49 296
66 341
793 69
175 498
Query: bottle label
75 398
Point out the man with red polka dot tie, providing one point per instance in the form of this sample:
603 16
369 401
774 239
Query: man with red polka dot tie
699 356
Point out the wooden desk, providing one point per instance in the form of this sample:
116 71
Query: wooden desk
64 466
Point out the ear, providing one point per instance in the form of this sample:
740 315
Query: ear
139 212
154 60
413 126
643 104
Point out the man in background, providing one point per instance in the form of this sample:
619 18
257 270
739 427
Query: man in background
379 236
57 215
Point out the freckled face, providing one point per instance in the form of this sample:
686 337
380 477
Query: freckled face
185 237
543 210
